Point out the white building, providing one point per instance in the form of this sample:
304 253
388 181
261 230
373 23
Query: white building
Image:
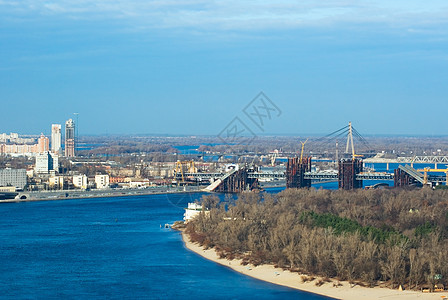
192 211
56 139
80 181
13 177
56 182
102 181
46 162
138 183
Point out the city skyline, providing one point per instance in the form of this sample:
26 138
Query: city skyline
146 67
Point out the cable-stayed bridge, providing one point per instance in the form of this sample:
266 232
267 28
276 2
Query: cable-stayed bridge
298 174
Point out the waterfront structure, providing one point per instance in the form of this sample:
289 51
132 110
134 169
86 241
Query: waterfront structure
13 177
192 211
80 181
46 162
56 138
70 138
138 182
102 181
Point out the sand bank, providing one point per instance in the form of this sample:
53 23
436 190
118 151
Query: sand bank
278 276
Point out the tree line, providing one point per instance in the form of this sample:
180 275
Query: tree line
368 236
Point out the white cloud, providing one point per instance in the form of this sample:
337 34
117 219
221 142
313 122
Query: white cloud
234 14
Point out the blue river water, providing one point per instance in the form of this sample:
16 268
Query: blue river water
113 248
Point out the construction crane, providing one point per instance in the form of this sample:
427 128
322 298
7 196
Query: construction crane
187 165
428 170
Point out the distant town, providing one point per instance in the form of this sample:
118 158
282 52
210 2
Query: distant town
65 162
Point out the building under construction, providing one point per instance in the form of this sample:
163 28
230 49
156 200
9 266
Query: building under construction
348 169
295 172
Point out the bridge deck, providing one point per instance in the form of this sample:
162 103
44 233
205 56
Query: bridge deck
323 175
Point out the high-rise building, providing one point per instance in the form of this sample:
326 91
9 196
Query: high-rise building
69 138
43 144
56 138
46 162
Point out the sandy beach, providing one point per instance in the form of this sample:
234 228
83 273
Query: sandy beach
278 276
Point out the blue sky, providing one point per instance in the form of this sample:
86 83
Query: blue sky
190 67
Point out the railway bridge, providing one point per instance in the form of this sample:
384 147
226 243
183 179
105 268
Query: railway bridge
349 176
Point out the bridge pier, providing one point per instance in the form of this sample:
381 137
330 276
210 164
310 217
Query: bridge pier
348 169
405 176
238 182
295 172
401 178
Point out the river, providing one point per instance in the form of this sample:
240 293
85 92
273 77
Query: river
113 248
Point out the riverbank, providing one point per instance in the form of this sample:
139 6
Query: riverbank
77 194
285 278
101 193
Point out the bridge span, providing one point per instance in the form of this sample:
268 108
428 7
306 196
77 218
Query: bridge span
247 177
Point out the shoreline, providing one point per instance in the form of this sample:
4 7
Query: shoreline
81 194
77 194
286 278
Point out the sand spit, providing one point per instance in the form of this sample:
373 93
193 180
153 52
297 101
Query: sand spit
278 276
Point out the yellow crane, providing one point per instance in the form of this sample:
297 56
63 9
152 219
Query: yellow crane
428 170
188 166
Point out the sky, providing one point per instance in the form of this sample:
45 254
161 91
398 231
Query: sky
191 67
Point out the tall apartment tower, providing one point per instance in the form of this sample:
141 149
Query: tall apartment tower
70 138
42 144
56 138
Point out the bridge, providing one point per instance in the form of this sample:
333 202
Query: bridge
320 176
426 159
350 173
246 176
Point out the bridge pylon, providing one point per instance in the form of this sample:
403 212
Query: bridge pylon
348 169
295 172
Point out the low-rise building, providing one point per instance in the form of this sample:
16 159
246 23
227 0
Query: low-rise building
8 189
13 177
138 182
56 182
80 181
102 181
117 179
